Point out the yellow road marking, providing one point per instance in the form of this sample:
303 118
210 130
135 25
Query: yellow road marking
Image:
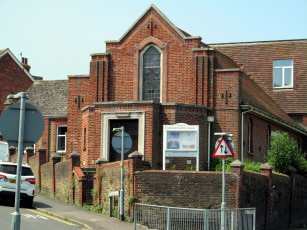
52 217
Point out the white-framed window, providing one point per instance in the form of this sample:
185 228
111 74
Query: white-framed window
283 73
150 73
61 138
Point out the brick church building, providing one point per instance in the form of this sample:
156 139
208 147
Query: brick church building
157 74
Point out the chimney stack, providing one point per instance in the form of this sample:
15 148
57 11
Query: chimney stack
24 62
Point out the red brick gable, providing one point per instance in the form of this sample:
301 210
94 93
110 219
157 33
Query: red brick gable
177 58
13 77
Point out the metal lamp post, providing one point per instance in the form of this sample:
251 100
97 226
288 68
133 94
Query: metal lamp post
121 210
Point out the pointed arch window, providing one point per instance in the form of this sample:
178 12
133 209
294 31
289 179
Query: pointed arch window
150 77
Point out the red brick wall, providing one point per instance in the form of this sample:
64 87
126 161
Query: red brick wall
13 79
78 97
185 189
299 202
259 138
276 208
254 194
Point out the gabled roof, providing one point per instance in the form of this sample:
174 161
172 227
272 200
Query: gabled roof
254 98
7 51
180 32
50 97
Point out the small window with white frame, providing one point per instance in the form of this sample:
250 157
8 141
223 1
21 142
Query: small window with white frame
283 74
61 138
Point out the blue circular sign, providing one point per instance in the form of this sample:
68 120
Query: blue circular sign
34 124
117 142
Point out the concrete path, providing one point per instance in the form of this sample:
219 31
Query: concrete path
89 219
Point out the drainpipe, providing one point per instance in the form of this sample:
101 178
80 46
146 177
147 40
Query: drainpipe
242 132
210 119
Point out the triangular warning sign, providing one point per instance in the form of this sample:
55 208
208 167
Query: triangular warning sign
223 149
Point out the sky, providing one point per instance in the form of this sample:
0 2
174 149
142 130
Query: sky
58 36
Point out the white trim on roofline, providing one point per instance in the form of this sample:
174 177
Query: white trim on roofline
7 51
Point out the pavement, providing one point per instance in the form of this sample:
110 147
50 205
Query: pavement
81 216
78 215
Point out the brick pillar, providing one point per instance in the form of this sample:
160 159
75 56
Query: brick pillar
237 168
12 151
136 165
29 153
56 158
266 169
42 152
74 162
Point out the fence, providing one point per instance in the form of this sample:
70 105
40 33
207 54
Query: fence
155 217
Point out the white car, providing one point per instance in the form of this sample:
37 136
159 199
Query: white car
8 182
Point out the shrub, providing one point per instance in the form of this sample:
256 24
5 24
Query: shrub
284 153
252 166
217 164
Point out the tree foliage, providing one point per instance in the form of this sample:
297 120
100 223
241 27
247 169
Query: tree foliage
284 153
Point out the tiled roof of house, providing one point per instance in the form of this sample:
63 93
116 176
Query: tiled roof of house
50 97
257 60
254 95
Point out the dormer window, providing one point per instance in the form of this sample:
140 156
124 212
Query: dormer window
283 74
150 74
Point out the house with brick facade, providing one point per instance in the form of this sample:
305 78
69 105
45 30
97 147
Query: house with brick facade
157 74
50 97
14 76
278 67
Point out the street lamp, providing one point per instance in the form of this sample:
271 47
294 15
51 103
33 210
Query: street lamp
121 210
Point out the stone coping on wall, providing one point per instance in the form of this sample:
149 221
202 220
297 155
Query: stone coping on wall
183 172
119 103
79 173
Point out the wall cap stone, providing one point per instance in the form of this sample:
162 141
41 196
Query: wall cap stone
266 166
74 154
42 149
55 156
101 161
237 163
135 154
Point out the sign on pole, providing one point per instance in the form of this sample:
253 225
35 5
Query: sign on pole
34 124
22 125
223 149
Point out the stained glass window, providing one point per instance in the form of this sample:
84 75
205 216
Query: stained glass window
151 74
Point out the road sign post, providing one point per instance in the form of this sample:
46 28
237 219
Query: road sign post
125 140
12 128
223 149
